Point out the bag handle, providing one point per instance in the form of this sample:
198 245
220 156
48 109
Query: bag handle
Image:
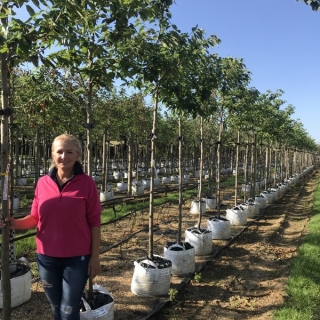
86 315
86 304
151 263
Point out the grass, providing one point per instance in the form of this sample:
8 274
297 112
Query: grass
109 214
303 287
27 246
230 182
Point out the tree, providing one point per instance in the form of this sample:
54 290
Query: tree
232 78
241 119
17 44
160 53
315 4
89 33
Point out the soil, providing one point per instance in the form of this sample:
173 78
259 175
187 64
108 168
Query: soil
244 278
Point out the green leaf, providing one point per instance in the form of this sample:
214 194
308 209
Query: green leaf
194 28
36 3
3 15
47 62
3 49
80 90
30 10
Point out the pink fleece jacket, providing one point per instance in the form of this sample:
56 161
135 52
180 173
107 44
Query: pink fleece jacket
65 218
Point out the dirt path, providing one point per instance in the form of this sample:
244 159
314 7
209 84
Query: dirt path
247 280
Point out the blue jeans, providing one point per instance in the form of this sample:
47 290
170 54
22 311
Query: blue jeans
64 280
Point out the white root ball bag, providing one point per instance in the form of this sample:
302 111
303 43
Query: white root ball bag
200 239
20 285
220 228
237 216
151 277
182 257
103 312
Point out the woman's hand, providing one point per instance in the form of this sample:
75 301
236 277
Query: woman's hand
6 221
94 266
27 222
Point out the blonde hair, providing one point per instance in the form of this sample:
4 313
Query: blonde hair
66 137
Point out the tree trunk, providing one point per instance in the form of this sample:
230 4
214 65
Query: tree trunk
5 272
104 181
180 184
37 157
130 163
89 129
219 165
236 175
200 173
275 167
254 167
245 166
152 169
266 176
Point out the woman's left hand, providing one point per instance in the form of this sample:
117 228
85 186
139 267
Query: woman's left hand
94 266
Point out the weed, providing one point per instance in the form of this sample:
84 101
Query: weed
172 294
197 277
34 269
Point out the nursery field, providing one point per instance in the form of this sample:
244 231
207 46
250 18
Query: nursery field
243 278
191 112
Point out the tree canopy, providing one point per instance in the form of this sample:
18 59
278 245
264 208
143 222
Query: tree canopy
315 4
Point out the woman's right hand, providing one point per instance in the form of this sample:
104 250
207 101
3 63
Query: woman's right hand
28 222
6 221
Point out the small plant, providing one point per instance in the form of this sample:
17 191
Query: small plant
172 294
24 202
197 277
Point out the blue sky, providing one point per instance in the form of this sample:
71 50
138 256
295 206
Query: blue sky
278 41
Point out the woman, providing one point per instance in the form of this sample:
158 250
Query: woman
67 213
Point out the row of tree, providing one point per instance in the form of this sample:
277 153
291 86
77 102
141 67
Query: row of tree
96 43
45 102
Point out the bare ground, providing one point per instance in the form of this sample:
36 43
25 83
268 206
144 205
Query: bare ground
248 279
245 280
